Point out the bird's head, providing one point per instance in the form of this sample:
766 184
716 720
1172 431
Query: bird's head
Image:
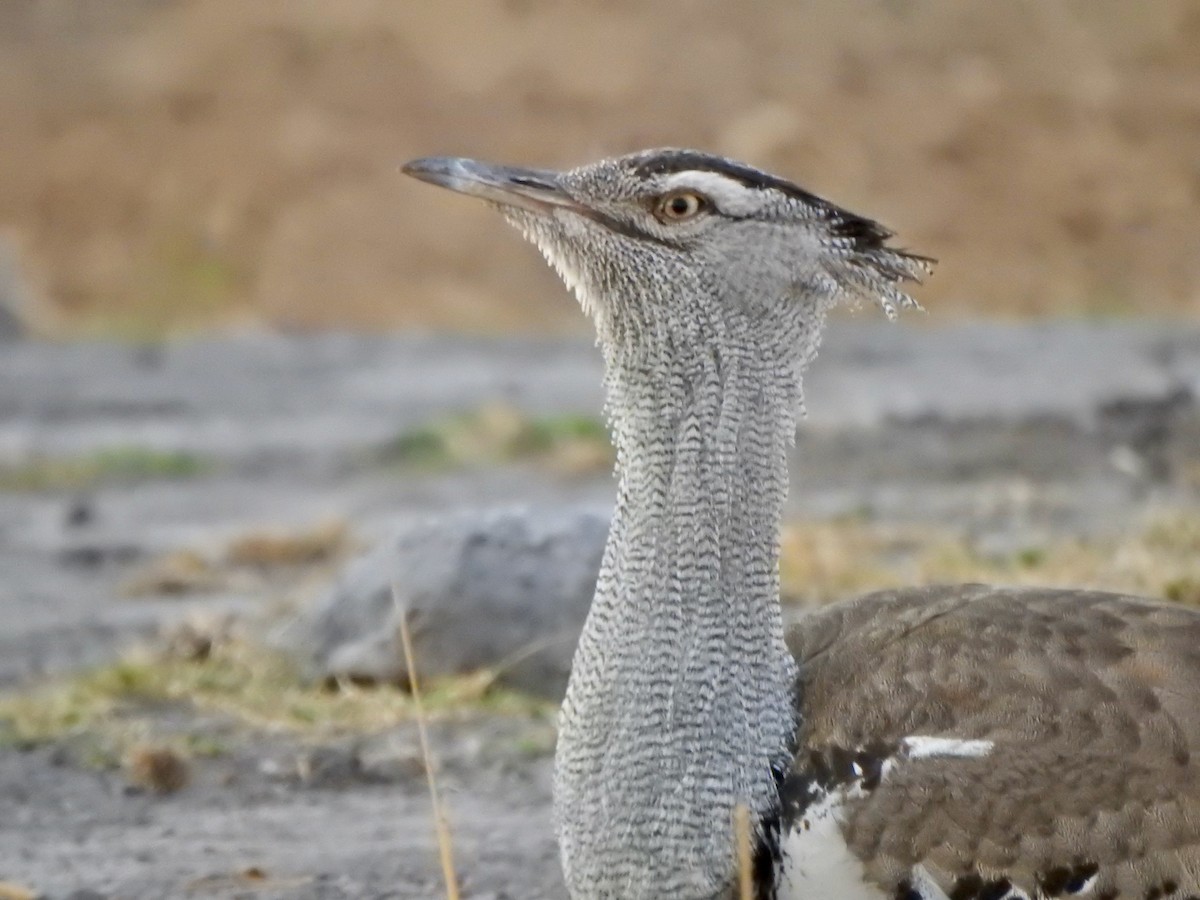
670 249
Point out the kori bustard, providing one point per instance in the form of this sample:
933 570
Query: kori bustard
957 743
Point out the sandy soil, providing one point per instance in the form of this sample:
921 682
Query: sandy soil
179 161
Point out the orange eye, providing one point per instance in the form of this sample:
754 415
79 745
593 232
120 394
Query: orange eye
680 206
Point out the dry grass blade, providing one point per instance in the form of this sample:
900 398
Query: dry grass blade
445 847
741 834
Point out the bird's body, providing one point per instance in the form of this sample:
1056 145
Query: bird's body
1009 743
966 743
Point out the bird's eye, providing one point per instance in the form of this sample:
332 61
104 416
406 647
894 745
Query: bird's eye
679 206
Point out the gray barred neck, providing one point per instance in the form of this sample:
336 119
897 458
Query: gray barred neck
680 703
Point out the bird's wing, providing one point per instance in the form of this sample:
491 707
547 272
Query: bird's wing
981 743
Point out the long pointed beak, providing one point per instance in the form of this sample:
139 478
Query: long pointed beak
537 190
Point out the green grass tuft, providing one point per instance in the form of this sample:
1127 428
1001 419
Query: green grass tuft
497 433
106 711
113 464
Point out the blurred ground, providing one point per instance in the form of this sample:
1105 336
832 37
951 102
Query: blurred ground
173 163
187 494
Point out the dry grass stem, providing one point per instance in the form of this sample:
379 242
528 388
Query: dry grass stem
745 857
445 846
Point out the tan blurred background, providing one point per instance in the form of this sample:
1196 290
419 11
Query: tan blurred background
173 164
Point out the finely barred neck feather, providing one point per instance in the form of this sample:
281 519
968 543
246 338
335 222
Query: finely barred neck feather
961 741
709 283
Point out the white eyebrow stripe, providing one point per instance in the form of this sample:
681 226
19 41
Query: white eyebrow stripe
728 194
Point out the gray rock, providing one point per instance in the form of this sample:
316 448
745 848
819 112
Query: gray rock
500 589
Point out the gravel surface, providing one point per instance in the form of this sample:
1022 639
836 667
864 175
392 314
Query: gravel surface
247 826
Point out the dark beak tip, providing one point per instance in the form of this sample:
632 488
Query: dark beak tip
424 167
532 189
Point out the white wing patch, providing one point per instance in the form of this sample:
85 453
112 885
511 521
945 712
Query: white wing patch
816 861
927 889
924 885
922 747
1085 888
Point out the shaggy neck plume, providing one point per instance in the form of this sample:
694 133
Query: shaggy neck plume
680 705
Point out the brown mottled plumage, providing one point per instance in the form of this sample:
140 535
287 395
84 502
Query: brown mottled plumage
1090 700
